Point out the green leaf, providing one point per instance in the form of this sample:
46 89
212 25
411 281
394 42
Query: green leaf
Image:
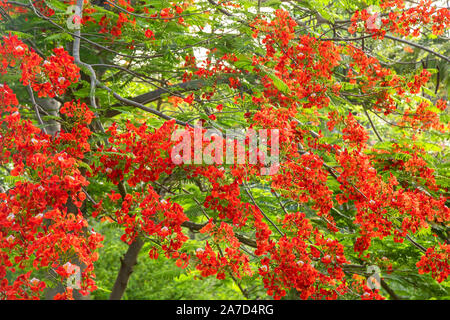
429 92
278 83
19 34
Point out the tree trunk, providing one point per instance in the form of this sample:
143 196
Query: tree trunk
51 106
127 263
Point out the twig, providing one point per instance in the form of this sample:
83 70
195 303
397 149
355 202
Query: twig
262 212
373 126
36 107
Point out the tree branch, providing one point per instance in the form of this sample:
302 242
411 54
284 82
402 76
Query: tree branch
36 109
156 94
418 46
373 126
198 226
391 292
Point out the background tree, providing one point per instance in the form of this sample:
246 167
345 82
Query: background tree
92 92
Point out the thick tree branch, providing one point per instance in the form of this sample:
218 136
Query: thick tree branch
140 105
198 226
155 95
418 46
388 289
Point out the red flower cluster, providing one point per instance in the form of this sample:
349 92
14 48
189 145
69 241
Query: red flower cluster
59 69
404 21
436 261
36 229
354 133
313 269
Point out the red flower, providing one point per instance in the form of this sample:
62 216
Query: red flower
149 34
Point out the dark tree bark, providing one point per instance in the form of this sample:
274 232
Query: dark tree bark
179 88
127 263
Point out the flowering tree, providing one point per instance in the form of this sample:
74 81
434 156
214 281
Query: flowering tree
93 92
